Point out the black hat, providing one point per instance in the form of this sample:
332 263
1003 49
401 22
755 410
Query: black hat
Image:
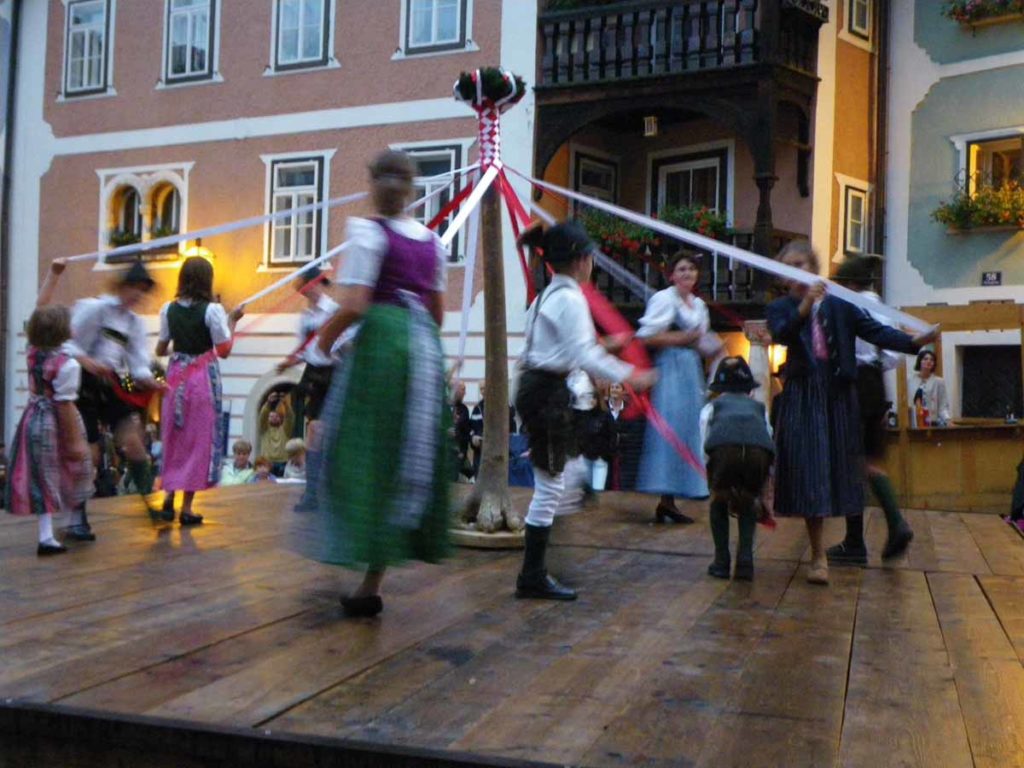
137 275
733 375
566 242
858 270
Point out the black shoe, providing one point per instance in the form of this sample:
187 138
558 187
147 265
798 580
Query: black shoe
897 544
663 513
542 587
79 533
45 550
362 607
167 513
187 518
744 572
845 553
719 570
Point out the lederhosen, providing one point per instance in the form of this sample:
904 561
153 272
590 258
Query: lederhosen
97 401
314 385
873 408
544 403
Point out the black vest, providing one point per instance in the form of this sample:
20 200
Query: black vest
738 420
188 328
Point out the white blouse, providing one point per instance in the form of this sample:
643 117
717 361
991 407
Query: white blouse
935 398
67 381
216 320
368 245
667 307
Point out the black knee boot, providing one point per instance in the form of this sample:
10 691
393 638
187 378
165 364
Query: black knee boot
745 549
718 515
534 581
80 530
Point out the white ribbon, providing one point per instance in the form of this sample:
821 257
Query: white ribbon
252 221
469 204
472 235
765 264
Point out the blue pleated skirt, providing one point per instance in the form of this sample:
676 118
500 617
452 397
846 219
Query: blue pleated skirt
819 463
678 396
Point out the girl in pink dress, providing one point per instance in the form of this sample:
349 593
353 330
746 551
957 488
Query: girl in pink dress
200 331
50 466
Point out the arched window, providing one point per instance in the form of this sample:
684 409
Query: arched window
127 217
166 211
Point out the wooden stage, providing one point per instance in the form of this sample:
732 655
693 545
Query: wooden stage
218 647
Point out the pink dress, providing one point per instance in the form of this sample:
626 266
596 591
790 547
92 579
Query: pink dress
43 480
190 418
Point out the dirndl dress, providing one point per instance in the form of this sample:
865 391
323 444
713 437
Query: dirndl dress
191 427
386 458
818 454
43 480
678 397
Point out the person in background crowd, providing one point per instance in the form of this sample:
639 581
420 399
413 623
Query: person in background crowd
462 431
277 419
262 468
3 473
240 471
818 443
295 469
200 331
674 324
926 392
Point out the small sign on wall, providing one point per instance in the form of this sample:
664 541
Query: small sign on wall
991 278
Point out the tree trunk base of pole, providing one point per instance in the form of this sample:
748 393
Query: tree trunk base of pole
473 539
490 511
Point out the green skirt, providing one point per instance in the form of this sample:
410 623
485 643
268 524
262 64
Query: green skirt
383 495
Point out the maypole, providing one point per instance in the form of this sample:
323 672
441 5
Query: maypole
490 92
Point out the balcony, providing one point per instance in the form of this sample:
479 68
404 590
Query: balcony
605 43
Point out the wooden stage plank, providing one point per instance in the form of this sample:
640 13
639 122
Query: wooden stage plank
988 674
1006 594
1000 545
901 702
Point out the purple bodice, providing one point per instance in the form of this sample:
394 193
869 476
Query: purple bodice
409 265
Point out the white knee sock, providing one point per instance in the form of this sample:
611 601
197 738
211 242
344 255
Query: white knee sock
46 529
547 491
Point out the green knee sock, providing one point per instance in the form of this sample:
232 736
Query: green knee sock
886 496
718 516
142 475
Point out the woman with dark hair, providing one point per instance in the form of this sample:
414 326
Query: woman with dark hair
385 473
673 325
193 437
928 389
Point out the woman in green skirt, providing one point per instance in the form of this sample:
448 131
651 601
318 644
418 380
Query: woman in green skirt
384 485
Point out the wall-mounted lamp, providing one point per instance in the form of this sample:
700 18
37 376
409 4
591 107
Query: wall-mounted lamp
650 126
197 249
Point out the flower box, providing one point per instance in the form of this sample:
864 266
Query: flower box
991 21
983 13
985 229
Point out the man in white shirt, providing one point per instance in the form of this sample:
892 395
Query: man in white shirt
560 338
109 341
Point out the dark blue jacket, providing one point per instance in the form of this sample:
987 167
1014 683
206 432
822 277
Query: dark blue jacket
842 323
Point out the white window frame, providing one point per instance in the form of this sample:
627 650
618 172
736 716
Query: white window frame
581 156
105 84
849 224
729 145
212 73
147 180
271 162
689 165
864 33
857 186
405 50
961 142
854 35
326 60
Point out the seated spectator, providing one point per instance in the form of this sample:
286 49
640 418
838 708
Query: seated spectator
476 428
461 432
240 471
263 474
295 469
3 473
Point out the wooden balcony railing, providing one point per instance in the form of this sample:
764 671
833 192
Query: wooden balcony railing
641 38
